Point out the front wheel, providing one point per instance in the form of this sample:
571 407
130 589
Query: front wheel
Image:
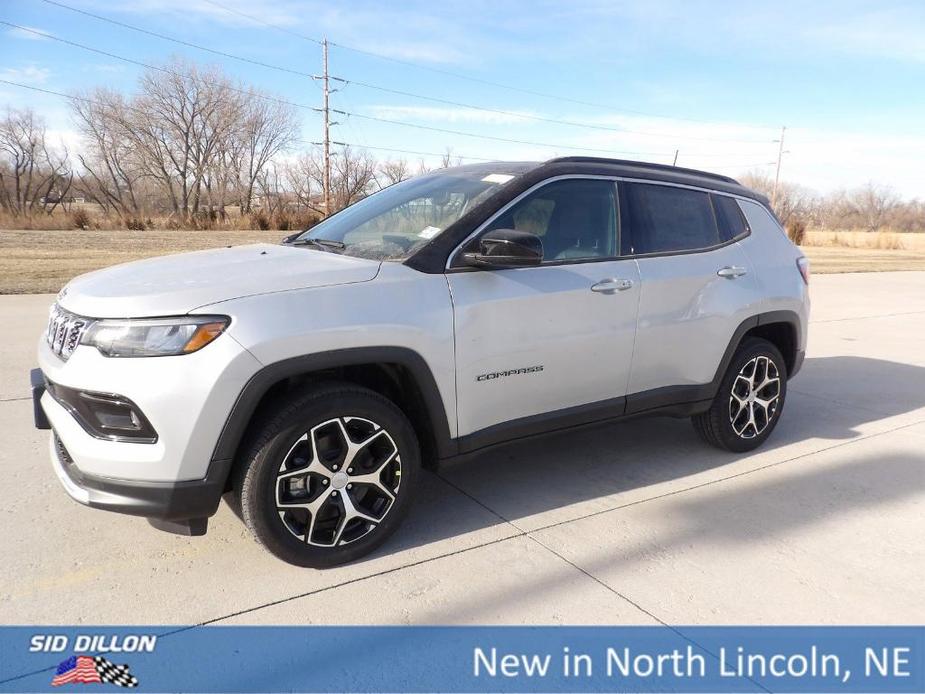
329 477
750 399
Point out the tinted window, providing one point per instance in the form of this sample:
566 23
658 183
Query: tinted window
729 216
575 218
664 219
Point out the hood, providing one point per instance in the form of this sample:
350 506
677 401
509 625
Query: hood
177 284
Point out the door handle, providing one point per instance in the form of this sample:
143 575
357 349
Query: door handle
612 285
730 272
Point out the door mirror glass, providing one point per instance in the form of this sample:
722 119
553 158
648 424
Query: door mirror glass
506 248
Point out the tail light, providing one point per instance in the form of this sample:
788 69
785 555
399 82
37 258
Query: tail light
803 267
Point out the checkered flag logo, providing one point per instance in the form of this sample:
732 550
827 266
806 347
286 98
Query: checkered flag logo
115 674
84 669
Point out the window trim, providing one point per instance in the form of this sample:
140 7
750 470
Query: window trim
748 226
621 203
703 249
457 252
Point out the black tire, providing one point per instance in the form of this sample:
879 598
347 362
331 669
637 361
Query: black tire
725 425
284 441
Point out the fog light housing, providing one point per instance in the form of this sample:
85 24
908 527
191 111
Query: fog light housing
105 415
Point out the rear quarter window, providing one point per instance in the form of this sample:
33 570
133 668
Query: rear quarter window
729 217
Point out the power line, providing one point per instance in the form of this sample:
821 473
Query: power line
495 138
250 93
450 73
389 90
534 117
345 113
176 40
75 97
404 151
252 18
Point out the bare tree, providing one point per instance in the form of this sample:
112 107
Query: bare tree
112 173
178 126
873 203
353 177
793 202
33 175
304 176
394 171
449 160
267 128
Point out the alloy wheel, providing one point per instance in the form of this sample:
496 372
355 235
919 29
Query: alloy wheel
755 397
338 481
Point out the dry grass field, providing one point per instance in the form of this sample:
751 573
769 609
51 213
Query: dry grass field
34 261
861 251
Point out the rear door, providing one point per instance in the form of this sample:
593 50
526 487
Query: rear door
539 340
697 286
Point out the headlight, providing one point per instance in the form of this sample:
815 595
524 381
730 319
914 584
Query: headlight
154 337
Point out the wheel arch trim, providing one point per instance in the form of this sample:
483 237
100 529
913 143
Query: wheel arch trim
256 388
788 317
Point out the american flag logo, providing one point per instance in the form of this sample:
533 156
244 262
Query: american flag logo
87 669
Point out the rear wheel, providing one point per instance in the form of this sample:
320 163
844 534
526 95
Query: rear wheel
329 476
749 401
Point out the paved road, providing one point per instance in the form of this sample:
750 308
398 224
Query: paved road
628 523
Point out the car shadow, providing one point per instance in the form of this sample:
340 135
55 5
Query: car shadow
566 475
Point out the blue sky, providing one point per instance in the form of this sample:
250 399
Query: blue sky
713 80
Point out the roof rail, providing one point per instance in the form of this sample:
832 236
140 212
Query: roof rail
644 165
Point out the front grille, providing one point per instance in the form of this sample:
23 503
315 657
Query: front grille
64 331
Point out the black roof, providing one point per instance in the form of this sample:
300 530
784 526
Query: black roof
432 257
630 164
535 170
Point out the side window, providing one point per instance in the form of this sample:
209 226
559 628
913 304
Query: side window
729 216
663 219
575 218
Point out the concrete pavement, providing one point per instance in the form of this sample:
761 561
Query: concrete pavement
635 523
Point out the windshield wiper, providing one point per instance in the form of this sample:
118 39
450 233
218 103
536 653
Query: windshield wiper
326 244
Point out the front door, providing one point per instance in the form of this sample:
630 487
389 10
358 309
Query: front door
540 340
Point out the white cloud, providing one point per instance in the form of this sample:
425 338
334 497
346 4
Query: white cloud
447 114
31 74
64 137
107 67
271 11
389 30
29 33
821 159
889 33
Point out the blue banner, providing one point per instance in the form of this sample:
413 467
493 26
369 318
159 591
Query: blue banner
464 659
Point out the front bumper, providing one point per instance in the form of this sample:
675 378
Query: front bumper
185 399
181 507
174 478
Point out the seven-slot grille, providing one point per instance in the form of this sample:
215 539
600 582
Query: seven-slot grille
64 331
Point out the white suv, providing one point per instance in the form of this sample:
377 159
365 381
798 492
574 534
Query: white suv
450 312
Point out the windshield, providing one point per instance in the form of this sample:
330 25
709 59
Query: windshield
393 223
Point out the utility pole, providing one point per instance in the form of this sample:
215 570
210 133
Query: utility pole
780 155
675 162
326 108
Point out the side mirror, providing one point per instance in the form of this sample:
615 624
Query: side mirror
507 248
292 237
